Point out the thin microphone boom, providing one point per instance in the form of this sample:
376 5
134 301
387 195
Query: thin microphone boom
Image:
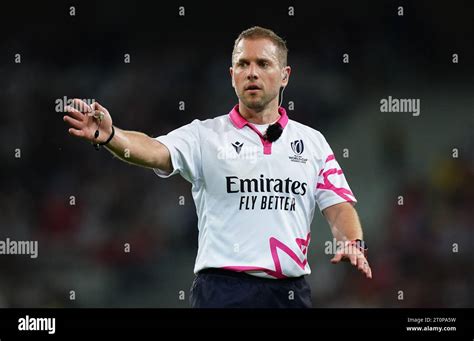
275 130
281 98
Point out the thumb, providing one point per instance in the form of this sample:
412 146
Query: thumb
107 118
97 106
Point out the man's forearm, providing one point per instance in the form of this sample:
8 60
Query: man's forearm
345 226
344 222
139 149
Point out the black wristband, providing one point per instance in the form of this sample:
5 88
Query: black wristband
97 145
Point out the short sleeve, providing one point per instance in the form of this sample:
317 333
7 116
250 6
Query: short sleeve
184 146
332 187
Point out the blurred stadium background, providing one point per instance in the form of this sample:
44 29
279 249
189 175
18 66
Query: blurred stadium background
174 59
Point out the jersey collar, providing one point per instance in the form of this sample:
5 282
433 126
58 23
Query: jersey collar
239 121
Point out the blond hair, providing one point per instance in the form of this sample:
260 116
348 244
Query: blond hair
257 32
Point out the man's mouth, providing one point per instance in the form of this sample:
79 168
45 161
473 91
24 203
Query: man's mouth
252 87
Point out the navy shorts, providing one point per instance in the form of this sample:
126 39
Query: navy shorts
216 288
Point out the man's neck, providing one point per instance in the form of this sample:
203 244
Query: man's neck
267 115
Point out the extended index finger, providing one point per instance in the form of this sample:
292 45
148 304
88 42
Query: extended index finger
74 113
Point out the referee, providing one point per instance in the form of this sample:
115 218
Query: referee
257 177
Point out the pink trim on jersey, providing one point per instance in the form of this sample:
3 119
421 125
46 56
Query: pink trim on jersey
303 244
330 157
274 245
342 192
239 122
267 145
253 268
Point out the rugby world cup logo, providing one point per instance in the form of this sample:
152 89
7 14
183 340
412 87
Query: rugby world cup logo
297 147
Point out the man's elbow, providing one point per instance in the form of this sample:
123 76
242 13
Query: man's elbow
162 158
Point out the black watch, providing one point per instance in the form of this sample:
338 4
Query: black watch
361 245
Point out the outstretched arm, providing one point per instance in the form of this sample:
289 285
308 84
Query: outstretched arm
130 146
345 226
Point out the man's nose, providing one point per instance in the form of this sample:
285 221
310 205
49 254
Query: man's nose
253 74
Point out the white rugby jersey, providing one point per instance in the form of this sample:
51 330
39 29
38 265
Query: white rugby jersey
255 200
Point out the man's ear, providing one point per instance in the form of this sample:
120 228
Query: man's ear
232 76
286 76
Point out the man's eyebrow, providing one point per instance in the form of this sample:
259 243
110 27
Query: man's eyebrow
264 60
259 60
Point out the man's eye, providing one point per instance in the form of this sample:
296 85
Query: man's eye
264 64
